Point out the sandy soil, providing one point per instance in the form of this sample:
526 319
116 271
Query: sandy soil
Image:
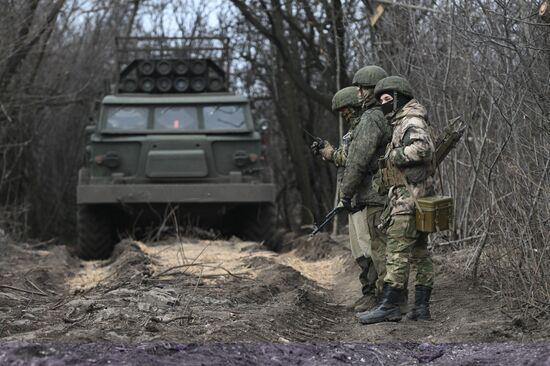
190 299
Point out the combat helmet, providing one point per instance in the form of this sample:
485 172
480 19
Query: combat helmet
368 76
346 97
393 84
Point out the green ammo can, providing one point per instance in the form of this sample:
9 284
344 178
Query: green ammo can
434 213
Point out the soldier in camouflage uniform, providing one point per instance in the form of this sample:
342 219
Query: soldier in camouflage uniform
371 136
347 102
410 152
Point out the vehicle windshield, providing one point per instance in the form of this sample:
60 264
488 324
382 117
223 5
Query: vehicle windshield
176 118
127 118
224 117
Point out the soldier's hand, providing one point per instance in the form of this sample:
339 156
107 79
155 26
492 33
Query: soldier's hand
327 151
315 147
345 202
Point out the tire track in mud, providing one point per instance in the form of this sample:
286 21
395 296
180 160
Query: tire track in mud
186 292
199 291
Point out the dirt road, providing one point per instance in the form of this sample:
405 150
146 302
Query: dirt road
197 300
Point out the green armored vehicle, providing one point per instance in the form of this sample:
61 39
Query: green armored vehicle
172 139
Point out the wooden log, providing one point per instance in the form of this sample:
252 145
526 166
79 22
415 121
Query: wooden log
544 11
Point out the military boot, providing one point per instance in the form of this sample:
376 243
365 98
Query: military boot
421 310
388 310
368 300
365 303
367 277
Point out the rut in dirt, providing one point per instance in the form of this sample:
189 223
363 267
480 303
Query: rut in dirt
171 293
137 296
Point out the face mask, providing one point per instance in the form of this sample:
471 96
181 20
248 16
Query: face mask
387 108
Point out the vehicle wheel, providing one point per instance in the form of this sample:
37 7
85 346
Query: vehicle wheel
95 232
260 224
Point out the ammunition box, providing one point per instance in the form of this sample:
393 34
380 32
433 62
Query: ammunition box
434 213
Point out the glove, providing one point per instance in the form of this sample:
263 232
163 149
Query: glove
345 202
316 146
327 151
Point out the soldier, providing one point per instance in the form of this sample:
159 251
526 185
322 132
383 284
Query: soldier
347 102
410 153
370 139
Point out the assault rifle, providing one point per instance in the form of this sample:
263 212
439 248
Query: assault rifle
335 211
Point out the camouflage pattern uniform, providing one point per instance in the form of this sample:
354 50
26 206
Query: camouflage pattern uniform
411 152
340 155
372 135
370 138
358 229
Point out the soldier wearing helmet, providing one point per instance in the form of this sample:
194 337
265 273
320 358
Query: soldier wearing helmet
410 152
346 102
365 79
362 147
371 136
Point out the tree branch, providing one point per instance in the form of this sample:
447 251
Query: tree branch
289 64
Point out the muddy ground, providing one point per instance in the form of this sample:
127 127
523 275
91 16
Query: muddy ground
234 302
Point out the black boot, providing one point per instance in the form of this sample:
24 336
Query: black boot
365 303
368 286
421 310
388 310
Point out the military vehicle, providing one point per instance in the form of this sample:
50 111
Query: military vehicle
173 135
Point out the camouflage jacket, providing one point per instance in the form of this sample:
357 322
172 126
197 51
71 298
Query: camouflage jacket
370 138
411 151
339 156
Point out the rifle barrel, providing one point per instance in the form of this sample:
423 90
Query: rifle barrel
326 220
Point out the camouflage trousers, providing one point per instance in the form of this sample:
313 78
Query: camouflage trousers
368 246
407 247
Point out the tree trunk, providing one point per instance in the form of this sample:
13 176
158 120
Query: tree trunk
288 115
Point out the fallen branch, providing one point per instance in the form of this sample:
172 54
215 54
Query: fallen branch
14 297
459 241
237 275
226 270
177 267
22 290
58 304
35 287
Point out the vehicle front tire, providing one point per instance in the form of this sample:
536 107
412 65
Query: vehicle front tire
96 236
260 224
